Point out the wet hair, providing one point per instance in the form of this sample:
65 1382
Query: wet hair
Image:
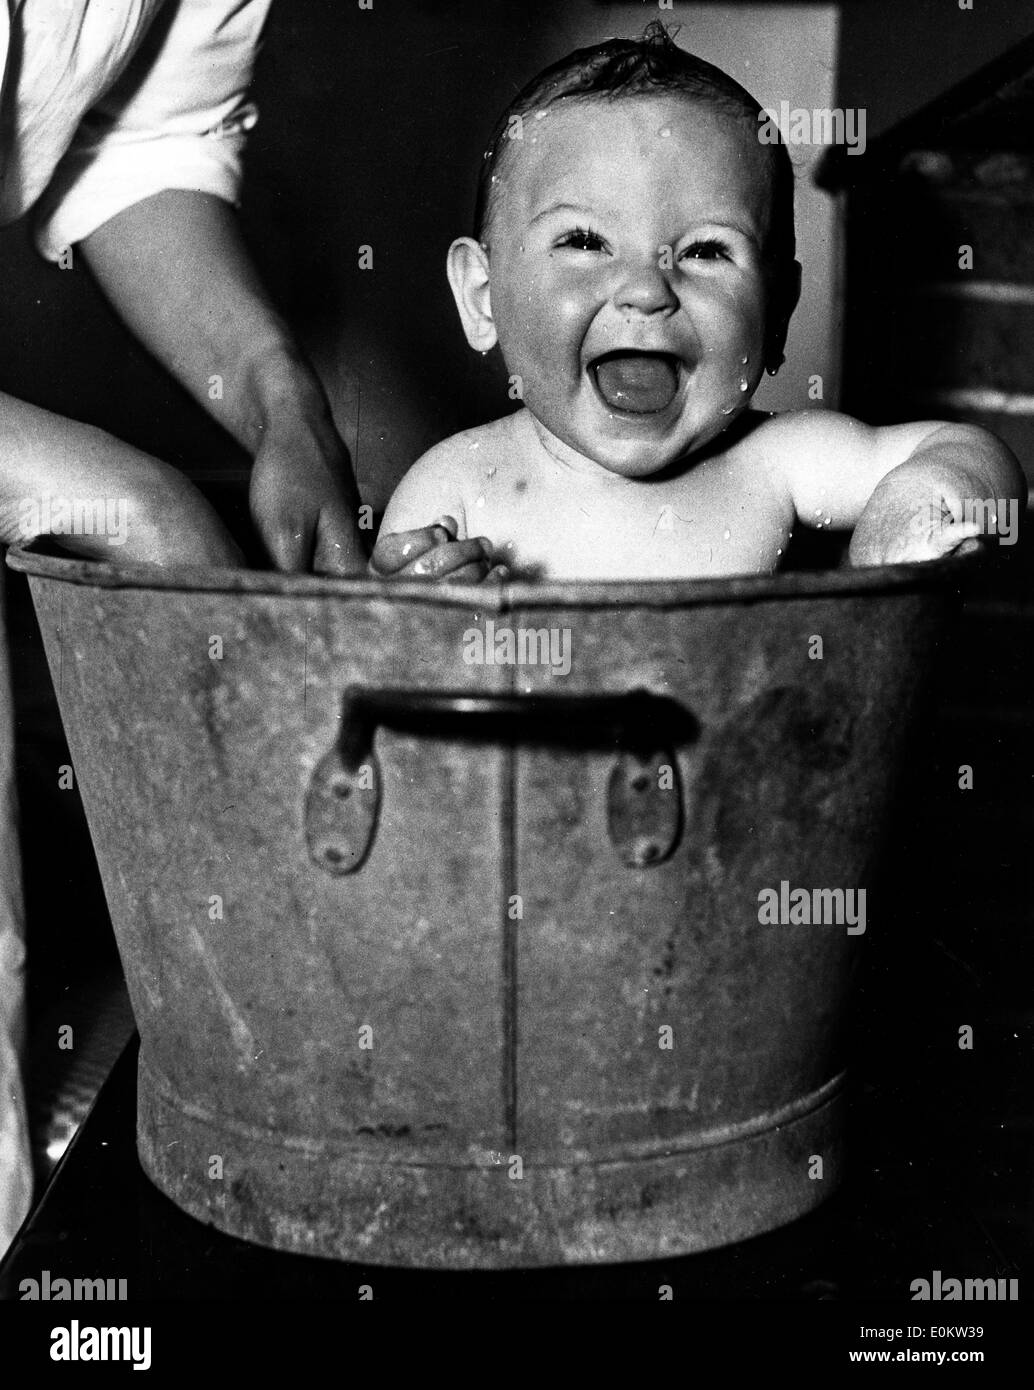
650 65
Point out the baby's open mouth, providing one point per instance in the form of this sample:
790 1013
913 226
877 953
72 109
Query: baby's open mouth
641 383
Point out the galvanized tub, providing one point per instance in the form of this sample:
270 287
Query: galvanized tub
446 961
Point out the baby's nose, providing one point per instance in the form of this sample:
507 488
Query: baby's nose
645 288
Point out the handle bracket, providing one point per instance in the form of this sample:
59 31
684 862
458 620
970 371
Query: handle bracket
644 797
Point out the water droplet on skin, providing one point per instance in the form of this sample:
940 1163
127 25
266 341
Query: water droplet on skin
406 549
727 535
744 360
779 551
511 545
480 501
744 385
728 410
829 520
541 115
475 445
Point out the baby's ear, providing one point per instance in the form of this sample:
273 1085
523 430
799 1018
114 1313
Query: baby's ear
782 301
467 269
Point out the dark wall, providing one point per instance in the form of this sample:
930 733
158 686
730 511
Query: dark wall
897 55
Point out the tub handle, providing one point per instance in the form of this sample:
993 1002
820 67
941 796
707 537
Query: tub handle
644 798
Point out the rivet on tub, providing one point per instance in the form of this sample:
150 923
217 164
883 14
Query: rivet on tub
341 811
644 807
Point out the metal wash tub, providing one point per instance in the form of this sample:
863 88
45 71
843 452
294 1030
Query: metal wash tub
438 961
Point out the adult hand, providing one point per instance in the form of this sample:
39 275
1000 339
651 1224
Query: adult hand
303 501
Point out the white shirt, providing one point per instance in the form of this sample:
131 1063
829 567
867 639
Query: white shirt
106 102
102 104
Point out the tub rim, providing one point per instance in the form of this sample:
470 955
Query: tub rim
499 598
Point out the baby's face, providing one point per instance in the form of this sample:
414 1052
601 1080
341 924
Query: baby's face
627 278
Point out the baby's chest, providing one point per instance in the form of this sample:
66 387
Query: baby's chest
621 531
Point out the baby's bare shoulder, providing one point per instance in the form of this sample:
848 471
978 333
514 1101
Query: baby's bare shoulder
801 444
443 478
462 456
791 431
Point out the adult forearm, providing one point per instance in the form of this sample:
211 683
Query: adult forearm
176 268
99 496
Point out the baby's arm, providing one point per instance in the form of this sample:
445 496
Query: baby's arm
911 492
52 468
409 545
949 492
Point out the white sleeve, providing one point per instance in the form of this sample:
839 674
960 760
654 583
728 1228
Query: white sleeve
176 117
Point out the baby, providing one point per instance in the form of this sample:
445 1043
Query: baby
633 258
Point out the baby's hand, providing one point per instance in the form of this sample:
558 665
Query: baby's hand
897 527
433 552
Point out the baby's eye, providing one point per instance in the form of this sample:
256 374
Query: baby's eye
582 239
709 250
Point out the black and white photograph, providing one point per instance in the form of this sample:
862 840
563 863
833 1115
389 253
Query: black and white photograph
516 746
